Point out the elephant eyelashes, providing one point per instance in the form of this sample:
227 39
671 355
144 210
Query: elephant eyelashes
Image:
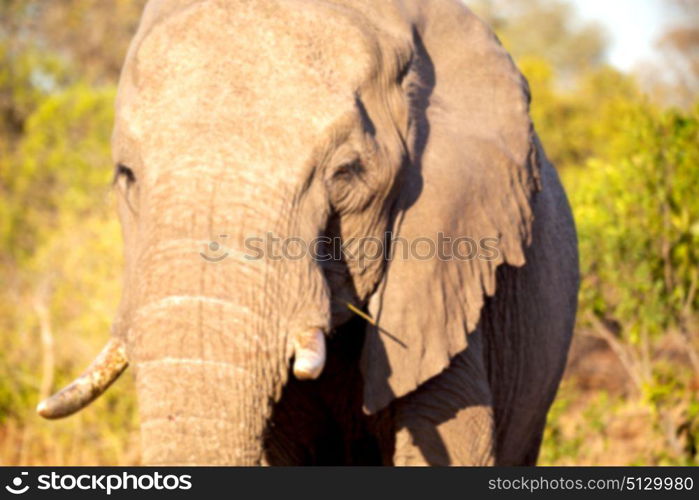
349 187
125 179
124 172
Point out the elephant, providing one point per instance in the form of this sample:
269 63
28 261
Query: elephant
400 122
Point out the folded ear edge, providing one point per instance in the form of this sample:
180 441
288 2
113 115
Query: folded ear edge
382 358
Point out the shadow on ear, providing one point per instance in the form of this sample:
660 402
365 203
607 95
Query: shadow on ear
465 205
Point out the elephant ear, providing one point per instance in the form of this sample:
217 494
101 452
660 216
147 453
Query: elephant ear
473 174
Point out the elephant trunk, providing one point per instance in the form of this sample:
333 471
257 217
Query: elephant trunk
210 344
206 378
200 412
207 369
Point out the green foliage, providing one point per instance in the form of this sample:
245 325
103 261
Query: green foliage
64 140
558 446
638 228
638 221
27 76
603 93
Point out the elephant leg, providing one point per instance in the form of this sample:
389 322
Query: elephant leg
527 327
449 419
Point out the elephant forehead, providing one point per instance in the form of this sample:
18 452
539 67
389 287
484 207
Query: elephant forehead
249 68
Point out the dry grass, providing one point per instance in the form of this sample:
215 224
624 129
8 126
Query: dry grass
601 418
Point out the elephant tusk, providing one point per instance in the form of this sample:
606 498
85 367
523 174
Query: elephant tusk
104 370
309 351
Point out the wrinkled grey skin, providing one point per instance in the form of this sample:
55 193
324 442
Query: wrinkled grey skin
344 118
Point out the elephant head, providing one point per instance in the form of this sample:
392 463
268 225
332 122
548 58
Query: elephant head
302 119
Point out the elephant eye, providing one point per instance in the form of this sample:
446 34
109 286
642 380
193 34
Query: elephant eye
349 187
349 169
125 180
124 172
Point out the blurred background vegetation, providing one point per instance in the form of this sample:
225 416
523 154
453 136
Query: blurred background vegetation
626 145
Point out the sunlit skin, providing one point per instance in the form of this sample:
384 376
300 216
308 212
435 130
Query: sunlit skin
348 119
